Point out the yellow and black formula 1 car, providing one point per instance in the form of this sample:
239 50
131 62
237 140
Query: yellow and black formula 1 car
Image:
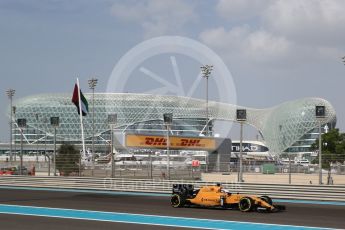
184 195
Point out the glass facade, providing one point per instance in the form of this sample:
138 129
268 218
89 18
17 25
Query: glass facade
281 126
303 145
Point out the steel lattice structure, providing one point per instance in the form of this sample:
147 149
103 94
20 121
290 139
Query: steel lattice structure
281 126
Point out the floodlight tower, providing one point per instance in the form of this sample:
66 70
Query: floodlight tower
168 119
10 93
55 122
206 72
92 85
320 114
112 120
241 116
22 125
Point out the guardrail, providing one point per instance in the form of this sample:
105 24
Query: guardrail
305 192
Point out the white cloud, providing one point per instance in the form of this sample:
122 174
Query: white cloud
307 22
266 44
237 10
280 31
220 38
258 45
156 17
310 21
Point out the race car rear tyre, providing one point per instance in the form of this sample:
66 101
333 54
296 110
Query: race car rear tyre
267 199
177 201
246 204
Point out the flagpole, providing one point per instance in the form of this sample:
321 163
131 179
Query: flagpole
81 120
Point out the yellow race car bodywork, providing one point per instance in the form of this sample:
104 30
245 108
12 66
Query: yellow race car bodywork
216 196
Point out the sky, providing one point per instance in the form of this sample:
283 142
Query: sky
274 50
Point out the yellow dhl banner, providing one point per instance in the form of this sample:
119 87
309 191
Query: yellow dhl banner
143 141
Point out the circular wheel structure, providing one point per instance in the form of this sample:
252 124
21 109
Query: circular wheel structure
177 201
246 204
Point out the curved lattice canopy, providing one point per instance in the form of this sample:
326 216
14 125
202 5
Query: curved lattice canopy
281 126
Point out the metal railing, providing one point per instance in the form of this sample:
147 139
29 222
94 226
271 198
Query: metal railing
298 192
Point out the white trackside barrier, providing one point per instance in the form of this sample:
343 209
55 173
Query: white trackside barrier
305 192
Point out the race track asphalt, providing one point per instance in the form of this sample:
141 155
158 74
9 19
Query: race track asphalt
16 222
312 215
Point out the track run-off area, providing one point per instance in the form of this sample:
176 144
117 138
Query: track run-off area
38 208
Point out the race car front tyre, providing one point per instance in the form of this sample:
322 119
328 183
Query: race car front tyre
177 201
246 204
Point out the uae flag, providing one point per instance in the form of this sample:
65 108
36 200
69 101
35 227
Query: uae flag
83 103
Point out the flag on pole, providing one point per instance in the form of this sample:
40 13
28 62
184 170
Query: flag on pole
84 104
83 108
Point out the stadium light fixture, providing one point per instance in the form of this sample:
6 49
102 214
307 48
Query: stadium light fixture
206 72
241 116
92 85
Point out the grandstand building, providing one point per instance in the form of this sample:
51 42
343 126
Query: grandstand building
285 127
